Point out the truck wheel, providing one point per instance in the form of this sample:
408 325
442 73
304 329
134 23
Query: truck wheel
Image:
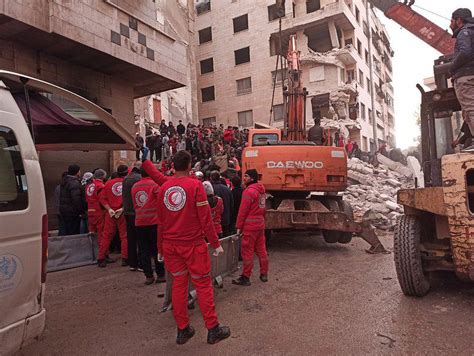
331 236
407 257
346 237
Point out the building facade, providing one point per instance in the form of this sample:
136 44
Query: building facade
345 57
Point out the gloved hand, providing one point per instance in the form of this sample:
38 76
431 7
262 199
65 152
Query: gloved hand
145 153
118 213
111 212
160 258
218 251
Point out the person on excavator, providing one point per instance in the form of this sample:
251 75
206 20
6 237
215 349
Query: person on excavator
316 133
462 69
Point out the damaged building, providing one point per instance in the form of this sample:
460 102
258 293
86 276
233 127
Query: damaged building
345 56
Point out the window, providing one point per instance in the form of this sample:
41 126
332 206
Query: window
244 86
242 55
367 57
370 116
359 48
209 121
365 27
362 111
264 139
273 13
207 94
364 144
343 75
241 23
369 86
350 76
361 78
207 65
203 6
313 5
275 46
278 112
245 118
316 74
348 42
205 35
13 186
357 15
280 76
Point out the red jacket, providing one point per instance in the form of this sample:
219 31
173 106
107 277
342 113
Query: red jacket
184 215
216 213
145 202
228 135
252 208
92 197
112 193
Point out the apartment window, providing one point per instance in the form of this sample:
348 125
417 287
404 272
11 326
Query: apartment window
280 76
273 13
242 55
364 144
245 118
343 75
370 116
203 6
359 48
367 57
209 121
207 65
350 76
361 78
244 86
316 74
207 94
357 15
241 23
348 42
278 112
205 35
313 5
365 27
362 111
369 87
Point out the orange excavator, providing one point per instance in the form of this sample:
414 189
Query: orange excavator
303 180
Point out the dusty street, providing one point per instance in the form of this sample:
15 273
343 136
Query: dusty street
321 299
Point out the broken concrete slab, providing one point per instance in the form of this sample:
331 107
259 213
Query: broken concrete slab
394 166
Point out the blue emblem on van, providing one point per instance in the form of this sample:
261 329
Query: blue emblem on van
10 272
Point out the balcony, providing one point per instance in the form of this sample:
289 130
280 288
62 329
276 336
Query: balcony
348 55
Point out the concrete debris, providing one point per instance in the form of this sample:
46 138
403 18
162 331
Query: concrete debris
342 125
372 192
395 166
329 57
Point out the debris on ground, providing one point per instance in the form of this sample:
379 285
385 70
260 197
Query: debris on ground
372 191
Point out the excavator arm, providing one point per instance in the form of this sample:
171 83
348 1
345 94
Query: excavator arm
421 27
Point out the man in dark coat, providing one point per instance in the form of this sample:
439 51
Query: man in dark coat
72 201
222 191
181 128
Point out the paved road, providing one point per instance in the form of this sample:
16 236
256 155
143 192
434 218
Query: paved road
321 299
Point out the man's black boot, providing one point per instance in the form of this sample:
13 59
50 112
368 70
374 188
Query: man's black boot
241 281
264 278
217 334
124 262
184 335
101 263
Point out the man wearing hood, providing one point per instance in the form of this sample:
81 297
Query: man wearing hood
251 224
462 69
72 202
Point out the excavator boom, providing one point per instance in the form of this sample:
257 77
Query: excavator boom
417 24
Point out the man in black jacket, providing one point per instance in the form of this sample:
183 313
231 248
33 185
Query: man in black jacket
181 129
72 201
222 191
462 68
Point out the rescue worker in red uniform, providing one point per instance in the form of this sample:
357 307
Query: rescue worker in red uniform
145 203
184 221
217 208
95 211
251 224
111 200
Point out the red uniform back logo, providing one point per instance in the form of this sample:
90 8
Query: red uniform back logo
141 197
90 189
175 198
117 189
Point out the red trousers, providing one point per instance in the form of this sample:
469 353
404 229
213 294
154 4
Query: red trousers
184 262
254 241
110 229
96 225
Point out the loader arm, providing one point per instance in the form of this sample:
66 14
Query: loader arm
417 24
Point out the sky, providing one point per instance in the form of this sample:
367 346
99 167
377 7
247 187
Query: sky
413 62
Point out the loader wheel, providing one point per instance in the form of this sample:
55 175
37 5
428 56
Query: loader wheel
331 236
407 257
346 237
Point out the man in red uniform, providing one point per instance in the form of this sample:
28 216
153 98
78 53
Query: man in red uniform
184 220
111 200
217 207
145 203
95 212
251 223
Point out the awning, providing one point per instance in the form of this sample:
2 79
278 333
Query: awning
81 125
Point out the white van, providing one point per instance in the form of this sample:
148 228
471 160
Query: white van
23 214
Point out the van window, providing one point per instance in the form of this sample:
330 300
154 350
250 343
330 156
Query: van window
264 139
13 187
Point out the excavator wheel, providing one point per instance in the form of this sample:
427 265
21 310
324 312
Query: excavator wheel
406 252
331 236
346 237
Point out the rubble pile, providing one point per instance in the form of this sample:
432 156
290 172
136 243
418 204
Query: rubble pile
373 190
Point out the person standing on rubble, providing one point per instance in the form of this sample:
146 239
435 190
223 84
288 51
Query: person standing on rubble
462 66
184 220
251 225
111 200
316 133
